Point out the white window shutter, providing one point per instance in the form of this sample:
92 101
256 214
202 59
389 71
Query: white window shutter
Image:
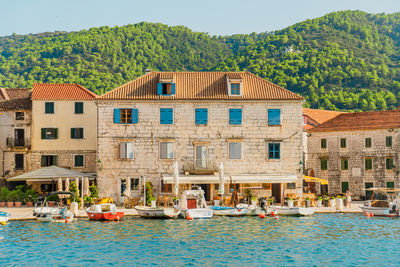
129 150
170 149
122 150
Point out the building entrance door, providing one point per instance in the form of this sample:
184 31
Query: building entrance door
368 194
276 192
206 189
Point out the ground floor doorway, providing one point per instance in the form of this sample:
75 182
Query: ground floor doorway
276 192
206 189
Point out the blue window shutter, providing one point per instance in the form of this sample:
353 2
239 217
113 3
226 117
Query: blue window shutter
274 117
162 116
205 117
166 116
159 88
197 116
235 116
201 116
117 115
135 115
172 88
170 118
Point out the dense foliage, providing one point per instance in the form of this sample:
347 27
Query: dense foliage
346 60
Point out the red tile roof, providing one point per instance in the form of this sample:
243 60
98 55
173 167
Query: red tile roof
319 115
361 121
10 94
201 86
61 91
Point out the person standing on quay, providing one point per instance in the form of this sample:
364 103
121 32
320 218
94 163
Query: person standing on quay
348 198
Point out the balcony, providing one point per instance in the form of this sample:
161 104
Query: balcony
200 169
15 143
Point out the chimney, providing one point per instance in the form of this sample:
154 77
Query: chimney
147 71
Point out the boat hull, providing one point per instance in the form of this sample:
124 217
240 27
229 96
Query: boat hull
379 211
229 211
60 218
105 216
4 217
201 213
295 211
154 213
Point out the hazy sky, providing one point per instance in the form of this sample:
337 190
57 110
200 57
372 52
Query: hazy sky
220 17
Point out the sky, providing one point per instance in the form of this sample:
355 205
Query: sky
217 17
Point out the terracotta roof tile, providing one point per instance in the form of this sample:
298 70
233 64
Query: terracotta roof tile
201 86
10 94
61 91
361 121
319 115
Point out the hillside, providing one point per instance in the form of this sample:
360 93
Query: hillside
346 60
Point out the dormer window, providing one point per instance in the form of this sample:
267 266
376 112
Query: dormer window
166 88
234 84
235 89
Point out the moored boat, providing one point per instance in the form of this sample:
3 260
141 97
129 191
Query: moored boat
155 213
104 212
44 213
229 211
387 208
294 211
4 217
192 205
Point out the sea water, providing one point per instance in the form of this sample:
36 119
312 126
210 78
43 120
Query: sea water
321 239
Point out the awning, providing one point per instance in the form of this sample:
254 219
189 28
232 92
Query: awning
309 179
48 174
236 179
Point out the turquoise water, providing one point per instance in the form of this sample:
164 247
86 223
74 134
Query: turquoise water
322 239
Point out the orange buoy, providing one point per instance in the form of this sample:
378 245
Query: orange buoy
188 217
261 215
371 214
368 214
272 213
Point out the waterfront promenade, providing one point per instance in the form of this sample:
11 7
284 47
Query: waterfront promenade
18 214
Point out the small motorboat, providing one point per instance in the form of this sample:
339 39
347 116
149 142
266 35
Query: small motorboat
104 212
388 207
229 211
155 213
294 211
44 213
192 205
256 210
4 217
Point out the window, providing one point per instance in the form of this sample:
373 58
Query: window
274 151
235 116
76 133
345 187
166 188
344 164
389 163
201 157
78 107
323 143
125 150
19 161
48 160
388 141
126 115
389 184
368 163
274 117
234 188
134 185
166 150
291 185
49 133
166 116
235 150
235 88
79 160
166 89
49 107
368 142
324 164
201 115
343 142
19 116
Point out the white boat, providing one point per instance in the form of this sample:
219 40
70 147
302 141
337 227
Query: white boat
386 208
229 211
44 213
155 213
4 217
192 204
294 211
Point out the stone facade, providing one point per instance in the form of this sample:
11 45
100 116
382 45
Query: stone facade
146 135
65 159
355 152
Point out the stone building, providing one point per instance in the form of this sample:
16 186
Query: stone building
64 126
356 151
200 119
15 130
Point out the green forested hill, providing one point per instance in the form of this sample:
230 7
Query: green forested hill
345 60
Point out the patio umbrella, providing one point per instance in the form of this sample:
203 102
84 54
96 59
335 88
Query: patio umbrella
176 178
86 190
77 186
59 185
67 185
127 191
221 179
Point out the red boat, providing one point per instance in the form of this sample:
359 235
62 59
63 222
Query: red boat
104 212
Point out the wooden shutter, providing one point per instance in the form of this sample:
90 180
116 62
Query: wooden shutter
43 161
129 150
235 116
55 133
163 150
122 150
274 117
172 88
166 116
135 115
201 116
73 136
170 116
117 115
235 150
159 88
43 133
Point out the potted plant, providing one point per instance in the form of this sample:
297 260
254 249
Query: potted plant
52 200
20 195
271 201
3 196
149 193
30 196
319 202
216 200
290 202
254 201
12 196
332 202
308 202
153 202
